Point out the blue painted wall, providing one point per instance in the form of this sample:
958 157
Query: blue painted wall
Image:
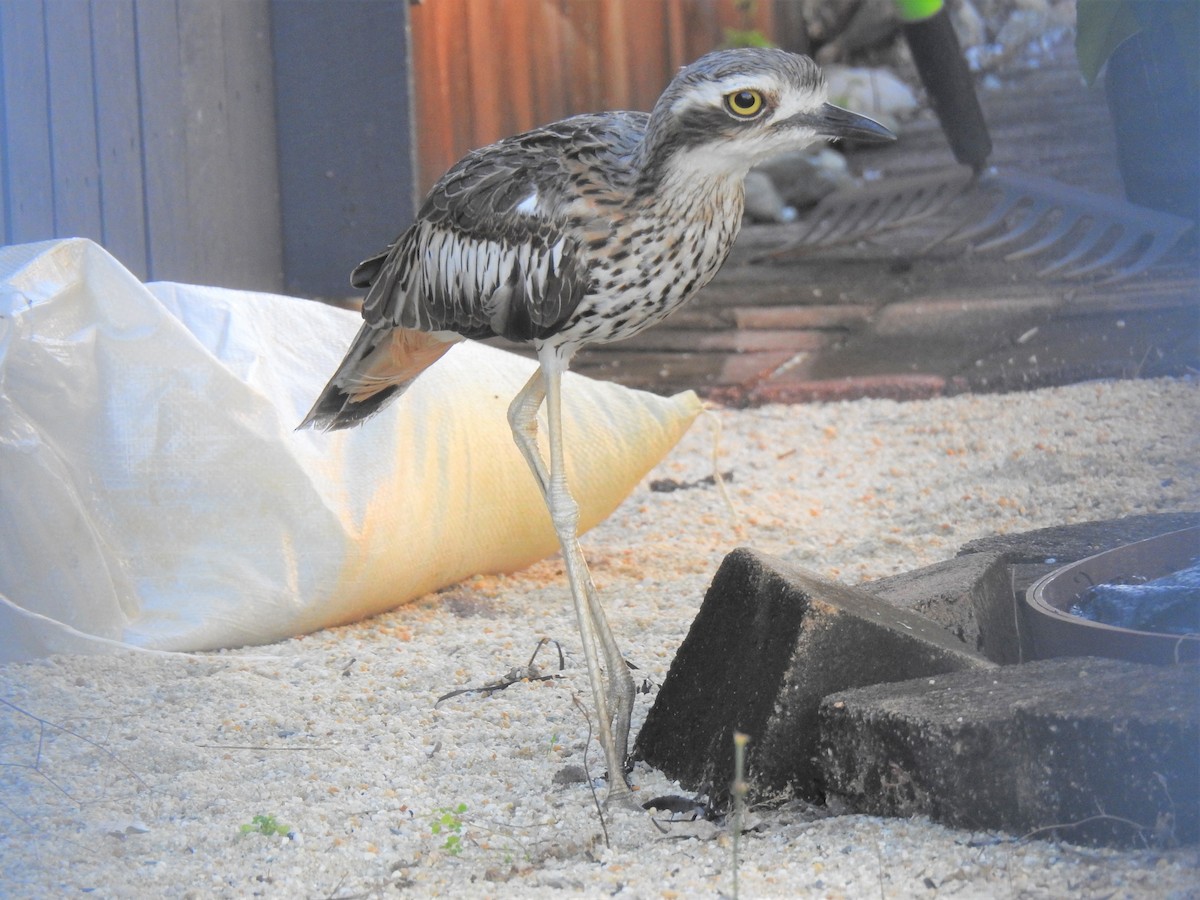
257 144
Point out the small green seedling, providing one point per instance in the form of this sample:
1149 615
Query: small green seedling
449 821
265 825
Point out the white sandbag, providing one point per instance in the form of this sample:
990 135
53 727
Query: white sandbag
154 492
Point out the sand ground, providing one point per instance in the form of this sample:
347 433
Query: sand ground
138 775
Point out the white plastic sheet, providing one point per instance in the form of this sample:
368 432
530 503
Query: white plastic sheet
154 493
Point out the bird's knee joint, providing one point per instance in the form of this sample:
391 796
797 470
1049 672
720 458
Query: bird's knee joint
567 522
518 418
564 513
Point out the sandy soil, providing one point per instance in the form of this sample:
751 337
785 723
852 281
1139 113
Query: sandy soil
156 776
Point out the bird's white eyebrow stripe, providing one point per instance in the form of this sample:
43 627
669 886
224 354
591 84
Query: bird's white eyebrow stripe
712 93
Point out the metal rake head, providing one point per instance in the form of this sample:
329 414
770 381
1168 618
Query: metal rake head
1076 231
852 213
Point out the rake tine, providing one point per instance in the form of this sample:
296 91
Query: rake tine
1163 241
801 242
828 214
851 213
888 212
1065 225
1160 231
1017 189
1003 207
1126 242
862 218
1023 204
817 218
928 202
1030 217
798 228
813 231
849 216
821 225
903 207
1086 245
845 220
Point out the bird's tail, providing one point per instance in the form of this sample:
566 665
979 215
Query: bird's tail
379 366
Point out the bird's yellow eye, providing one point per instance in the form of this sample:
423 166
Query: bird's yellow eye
745 104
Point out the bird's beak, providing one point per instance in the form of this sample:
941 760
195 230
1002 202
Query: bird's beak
835 122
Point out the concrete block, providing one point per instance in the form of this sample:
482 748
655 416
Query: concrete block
1063 544
1091 750
769 641
969 596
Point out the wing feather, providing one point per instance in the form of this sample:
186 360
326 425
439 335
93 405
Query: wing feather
493 250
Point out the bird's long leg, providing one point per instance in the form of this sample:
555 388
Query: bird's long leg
522 417
564 512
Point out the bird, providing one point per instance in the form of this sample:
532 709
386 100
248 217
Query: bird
583 231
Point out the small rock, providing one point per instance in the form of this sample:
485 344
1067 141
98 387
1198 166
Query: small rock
570 774
804 177
763 203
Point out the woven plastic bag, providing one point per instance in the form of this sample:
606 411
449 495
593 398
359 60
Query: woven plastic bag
154 492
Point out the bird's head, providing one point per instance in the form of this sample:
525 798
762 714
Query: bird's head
732 109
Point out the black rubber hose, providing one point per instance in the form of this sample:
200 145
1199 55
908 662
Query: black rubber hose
947 80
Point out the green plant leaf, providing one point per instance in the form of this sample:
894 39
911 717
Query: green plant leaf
1101 25
261 824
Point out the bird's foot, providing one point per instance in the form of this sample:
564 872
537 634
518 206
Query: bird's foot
620 796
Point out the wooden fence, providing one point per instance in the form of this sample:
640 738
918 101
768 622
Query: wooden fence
269 144
259 144
483 69
96 142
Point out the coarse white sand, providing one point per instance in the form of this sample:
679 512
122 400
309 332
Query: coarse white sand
148 767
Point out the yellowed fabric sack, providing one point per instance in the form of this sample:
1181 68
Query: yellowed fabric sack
154 492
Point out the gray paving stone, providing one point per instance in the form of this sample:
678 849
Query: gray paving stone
1109 745
969 596
1063 544
769 642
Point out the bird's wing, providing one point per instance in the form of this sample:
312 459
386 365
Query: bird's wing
499 245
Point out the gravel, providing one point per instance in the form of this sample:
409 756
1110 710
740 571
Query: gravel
143 775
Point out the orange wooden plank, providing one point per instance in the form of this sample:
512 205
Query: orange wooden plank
546 61
614 53
517 39
432 90
648 60
484 69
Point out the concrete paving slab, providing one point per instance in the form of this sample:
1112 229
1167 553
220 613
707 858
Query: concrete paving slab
769 641
1063 544
1090 750
970 596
